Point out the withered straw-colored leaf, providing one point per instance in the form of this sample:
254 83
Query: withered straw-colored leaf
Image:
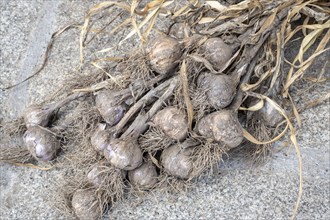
150 25
292 77
185 87
292 138
185 9
255 107
94 10
279 57
121 25
268 23
154 160
30 165
295 112
307 42
133 19
149 6
206 63
147 19
107 73
217 5
206 20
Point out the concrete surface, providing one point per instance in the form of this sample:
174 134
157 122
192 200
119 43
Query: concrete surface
238 191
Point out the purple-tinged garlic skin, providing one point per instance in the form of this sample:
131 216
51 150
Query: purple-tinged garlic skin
37 115
100 138
42 144
176 161
123 154
145 176
111 111
94 175
86 205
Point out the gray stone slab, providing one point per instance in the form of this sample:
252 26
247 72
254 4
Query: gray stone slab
238 191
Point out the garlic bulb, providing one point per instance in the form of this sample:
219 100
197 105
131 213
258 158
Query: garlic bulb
86 205
42 144
220 89
176 161
99 139
217 52
173 122
123 154
37 115
144 176
164 53
110 110
223 126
